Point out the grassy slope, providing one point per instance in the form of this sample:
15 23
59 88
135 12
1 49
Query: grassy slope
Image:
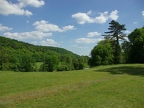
120 86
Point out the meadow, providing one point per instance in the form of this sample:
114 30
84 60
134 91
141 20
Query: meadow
115 86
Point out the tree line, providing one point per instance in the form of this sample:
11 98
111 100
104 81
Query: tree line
20 56
116 48
110 51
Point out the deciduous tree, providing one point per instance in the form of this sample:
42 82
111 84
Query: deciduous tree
136 38
102 54
50 63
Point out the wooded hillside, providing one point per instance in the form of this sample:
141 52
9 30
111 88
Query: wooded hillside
14 54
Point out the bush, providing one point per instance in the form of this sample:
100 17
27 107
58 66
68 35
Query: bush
50 64
63 68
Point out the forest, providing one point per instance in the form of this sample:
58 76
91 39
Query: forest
116 48
20 56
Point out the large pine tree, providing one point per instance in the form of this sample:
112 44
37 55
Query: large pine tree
115 33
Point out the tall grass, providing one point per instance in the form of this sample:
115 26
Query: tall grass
119 86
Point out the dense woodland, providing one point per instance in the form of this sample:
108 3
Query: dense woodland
116 48
20 56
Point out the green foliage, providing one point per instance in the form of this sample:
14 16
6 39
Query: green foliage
116 34
66 62
126 46
136 38
26 64
78 64
4 57
102 54
63 67
50 63
12 51
37 66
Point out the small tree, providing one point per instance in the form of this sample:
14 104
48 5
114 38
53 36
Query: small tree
78 63
26 63
50 63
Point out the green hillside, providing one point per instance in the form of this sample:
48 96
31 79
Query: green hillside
12 52
14 44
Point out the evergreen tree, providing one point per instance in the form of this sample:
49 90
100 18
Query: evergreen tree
116 34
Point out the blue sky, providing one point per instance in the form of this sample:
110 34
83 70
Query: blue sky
76 25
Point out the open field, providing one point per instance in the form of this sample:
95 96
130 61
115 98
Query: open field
117 86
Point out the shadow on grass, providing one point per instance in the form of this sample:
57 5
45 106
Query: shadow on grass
131 70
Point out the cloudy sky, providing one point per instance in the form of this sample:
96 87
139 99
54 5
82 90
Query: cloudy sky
76 25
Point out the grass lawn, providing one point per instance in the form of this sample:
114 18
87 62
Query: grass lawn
117 86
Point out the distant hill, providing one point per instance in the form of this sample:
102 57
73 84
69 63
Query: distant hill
15 44
12 52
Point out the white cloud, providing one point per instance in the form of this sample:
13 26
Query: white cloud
4 28
143 13
8 8
34 3
83 18
87 40
27 13
46 27
114 15
92 34
49 42
69 27
27 35
102 18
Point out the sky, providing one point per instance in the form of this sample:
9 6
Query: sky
76 25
